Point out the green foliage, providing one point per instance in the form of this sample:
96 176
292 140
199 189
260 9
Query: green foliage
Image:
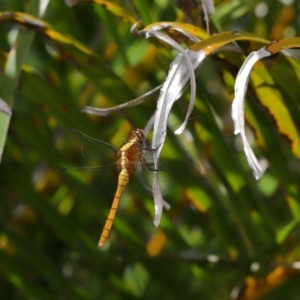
224 231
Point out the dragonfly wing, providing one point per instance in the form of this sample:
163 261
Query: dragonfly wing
175 164
169 173
168 139
90 152
100 180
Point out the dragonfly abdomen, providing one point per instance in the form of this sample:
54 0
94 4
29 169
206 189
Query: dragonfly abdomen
122 182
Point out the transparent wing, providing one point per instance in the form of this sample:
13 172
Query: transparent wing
175 146
175 164
93 163
101 179
91 152
170 173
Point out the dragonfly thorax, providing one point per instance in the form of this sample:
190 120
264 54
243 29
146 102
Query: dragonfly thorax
131 154
137 136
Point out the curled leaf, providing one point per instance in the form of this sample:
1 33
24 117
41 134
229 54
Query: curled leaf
181 69
238 107
107 111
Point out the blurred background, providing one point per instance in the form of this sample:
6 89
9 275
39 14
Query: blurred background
226 236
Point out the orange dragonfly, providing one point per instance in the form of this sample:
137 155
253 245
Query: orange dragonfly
133 156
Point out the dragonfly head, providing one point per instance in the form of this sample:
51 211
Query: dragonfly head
137 135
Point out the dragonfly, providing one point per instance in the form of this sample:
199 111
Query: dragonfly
135 156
